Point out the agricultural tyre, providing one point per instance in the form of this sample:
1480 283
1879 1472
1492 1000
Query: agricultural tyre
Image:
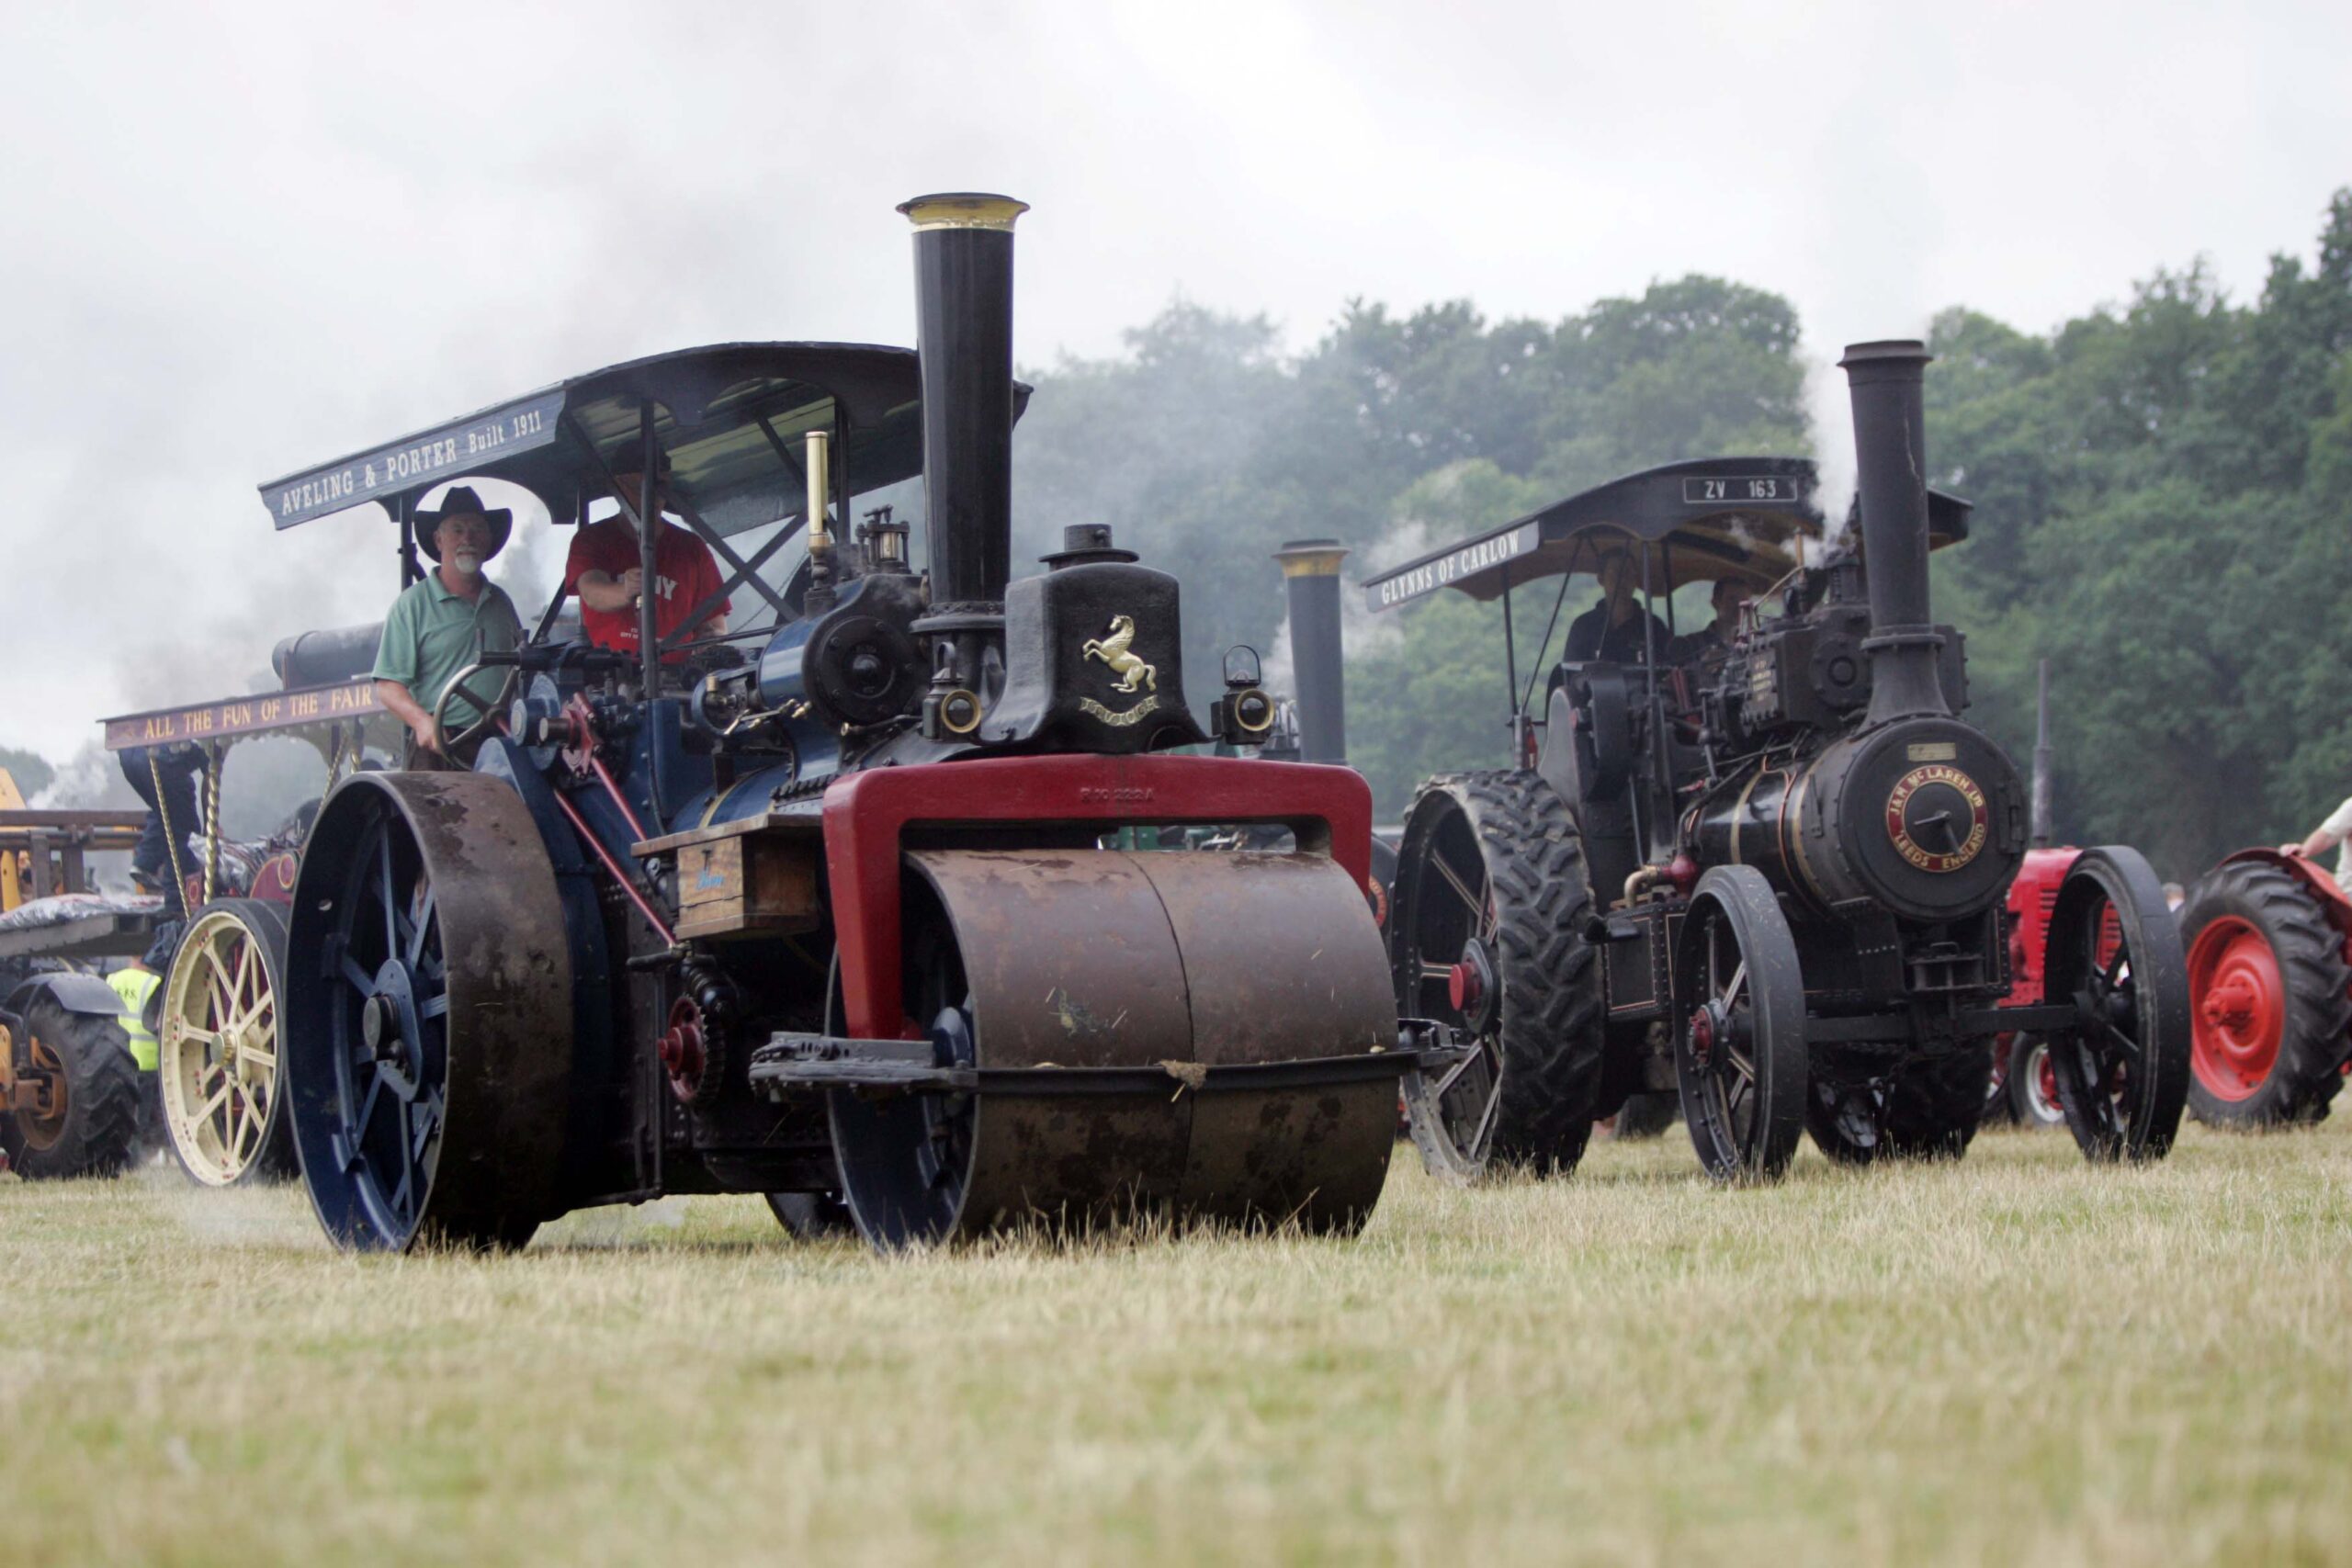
223 1108
2114 956
1488 935
2031 1091
2271 1016
427 1016
1740 1045
91 1127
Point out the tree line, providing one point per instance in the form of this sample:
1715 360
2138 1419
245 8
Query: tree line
2162 491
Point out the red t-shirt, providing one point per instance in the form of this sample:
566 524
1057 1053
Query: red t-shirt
685 576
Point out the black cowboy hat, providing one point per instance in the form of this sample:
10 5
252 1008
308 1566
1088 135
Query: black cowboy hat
461 502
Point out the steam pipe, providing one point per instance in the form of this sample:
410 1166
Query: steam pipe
1311 580
1891 469
964 336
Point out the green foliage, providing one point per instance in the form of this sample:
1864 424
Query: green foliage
2163 489
1206 450
2164 498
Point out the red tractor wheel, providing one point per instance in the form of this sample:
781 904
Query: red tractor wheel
2271 1000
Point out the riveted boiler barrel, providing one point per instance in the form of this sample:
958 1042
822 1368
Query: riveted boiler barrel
1093 958
1924 816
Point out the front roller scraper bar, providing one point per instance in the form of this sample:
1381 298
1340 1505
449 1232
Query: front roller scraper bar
790 1064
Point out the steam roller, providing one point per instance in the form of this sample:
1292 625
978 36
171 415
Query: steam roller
1051 977
857 905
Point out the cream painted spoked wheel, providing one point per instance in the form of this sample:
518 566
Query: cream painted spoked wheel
219 1045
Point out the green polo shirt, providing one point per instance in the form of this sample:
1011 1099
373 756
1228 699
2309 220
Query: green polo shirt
432 634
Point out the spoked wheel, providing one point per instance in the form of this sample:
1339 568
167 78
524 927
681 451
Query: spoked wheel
2267 984
1109 959
1488 935
1739 1045
217 1045
2114 954
427 1014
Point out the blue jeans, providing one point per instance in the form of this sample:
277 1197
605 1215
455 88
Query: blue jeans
176 766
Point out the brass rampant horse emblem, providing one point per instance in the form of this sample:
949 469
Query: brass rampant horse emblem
1112 649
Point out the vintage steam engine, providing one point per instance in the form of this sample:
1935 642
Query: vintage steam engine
839 922
1768 861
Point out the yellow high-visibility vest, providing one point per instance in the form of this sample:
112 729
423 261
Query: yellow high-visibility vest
134 987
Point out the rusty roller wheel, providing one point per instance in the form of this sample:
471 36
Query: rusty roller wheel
428 1014
1102 958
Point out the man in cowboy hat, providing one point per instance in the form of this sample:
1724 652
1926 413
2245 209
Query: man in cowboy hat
605 569
439 627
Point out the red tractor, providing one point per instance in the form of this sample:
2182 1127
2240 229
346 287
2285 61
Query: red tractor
2269 935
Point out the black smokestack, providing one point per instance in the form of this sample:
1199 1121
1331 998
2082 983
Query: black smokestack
2038 817
1311 574
1891 482
964 334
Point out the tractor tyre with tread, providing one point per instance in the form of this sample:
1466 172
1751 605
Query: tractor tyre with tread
1548 1020
2299 993
96 1132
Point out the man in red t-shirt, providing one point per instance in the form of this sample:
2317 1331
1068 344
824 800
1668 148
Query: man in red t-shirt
604 572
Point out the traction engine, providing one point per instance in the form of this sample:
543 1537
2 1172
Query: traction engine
838 922
1769 866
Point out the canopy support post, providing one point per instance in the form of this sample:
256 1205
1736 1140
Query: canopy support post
648 522
1511 667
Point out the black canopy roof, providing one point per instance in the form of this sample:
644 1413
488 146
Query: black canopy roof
729 416
1745 518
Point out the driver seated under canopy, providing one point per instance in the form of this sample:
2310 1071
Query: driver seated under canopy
1613 630
605 569
447 621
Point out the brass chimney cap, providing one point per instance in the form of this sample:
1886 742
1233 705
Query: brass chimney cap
1311 558
962 210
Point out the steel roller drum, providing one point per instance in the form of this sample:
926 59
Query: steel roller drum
1095 958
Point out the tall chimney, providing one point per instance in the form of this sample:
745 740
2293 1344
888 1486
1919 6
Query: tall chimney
2038 813
1891 469
1311 576
964 336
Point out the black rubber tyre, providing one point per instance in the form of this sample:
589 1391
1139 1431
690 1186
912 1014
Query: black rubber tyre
96 1132
1645 1116
2030 1091
1540 1034
2115 955
1929 1110
811 1216
2302 999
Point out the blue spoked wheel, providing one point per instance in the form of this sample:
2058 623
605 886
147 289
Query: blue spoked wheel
428 1015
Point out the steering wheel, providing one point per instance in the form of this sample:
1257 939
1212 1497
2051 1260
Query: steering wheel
490 715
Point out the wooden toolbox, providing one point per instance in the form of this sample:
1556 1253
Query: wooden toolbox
744 878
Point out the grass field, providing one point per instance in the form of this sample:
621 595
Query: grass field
2012 1358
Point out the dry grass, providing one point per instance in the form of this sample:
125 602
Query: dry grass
2014 1359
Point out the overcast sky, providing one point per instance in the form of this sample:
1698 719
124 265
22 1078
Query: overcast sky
241 240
